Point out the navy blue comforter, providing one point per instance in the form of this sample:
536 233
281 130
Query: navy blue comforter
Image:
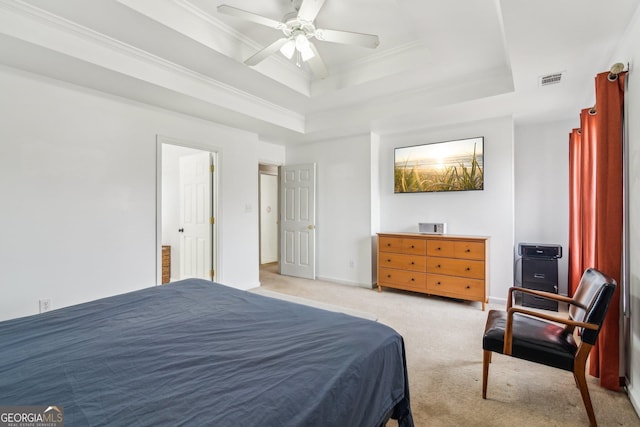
200 353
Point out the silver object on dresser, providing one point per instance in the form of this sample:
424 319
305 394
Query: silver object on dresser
432 227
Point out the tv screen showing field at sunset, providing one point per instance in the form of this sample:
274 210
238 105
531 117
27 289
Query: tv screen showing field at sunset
456 165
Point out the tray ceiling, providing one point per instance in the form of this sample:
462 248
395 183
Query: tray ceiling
437 62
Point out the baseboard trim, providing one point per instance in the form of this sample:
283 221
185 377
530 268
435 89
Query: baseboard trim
631 393
495 300
346 282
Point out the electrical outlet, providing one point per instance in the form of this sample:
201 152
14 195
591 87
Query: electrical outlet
45 305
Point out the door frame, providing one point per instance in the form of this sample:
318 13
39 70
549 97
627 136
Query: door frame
215 153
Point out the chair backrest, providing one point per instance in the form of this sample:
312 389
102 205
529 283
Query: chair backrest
594 294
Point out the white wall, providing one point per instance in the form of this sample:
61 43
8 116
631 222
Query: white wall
271 154
343 207
489 212
542 188
78 190
629 53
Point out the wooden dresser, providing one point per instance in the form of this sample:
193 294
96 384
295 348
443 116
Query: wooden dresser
445 265
166 264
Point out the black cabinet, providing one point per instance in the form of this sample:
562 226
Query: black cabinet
540 272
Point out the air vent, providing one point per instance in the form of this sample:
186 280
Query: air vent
550 79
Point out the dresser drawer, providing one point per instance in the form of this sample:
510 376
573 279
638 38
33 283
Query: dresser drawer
456 267
414 246
469 250
390 244
440 248
402 246
457 287
402 261
410 280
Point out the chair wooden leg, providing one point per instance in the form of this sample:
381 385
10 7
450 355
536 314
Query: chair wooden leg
579 375
486 359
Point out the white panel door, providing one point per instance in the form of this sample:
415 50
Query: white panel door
195 214
298 220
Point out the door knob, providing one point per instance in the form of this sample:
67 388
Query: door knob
311 226
180 230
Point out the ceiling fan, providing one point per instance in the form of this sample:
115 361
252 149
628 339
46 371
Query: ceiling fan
298 29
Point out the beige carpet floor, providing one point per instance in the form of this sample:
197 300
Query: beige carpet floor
443 340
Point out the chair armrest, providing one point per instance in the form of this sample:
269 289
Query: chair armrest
543 294
508 330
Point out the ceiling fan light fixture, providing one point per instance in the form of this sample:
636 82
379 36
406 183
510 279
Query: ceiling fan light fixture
302 42
307 54
288 49
303 46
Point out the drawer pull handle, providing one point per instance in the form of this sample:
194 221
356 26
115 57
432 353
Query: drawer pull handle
388 276
438 249
388 244
439 283
413 280
468 286
412 246
468 268
468 250
388 260
438 266
412 263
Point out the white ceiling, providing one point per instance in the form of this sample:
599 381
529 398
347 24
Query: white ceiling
438 62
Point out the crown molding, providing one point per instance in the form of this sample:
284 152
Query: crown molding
89 36
378 60
222 38
241 38
216 23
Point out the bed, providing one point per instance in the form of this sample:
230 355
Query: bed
199 353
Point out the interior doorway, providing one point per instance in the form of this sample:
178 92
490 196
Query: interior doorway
269 215
187 212
287 219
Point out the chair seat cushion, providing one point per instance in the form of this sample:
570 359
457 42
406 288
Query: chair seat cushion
533 339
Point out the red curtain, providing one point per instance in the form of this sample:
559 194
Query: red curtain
596 211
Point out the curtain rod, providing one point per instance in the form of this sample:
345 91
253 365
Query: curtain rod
616 69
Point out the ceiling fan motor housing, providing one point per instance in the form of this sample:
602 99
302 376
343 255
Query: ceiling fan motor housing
294 26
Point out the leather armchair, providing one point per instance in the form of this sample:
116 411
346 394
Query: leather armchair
548 338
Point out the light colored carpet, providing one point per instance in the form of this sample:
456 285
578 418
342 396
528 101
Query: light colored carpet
316 304
443 340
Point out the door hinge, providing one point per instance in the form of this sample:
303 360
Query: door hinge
212 273
212 168
212 220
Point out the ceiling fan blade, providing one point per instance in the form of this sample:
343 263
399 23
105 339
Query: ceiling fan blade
347 37
317 64
258 19
309 9
267 51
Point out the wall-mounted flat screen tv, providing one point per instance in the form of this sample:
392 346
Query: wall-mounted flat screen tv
456 165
